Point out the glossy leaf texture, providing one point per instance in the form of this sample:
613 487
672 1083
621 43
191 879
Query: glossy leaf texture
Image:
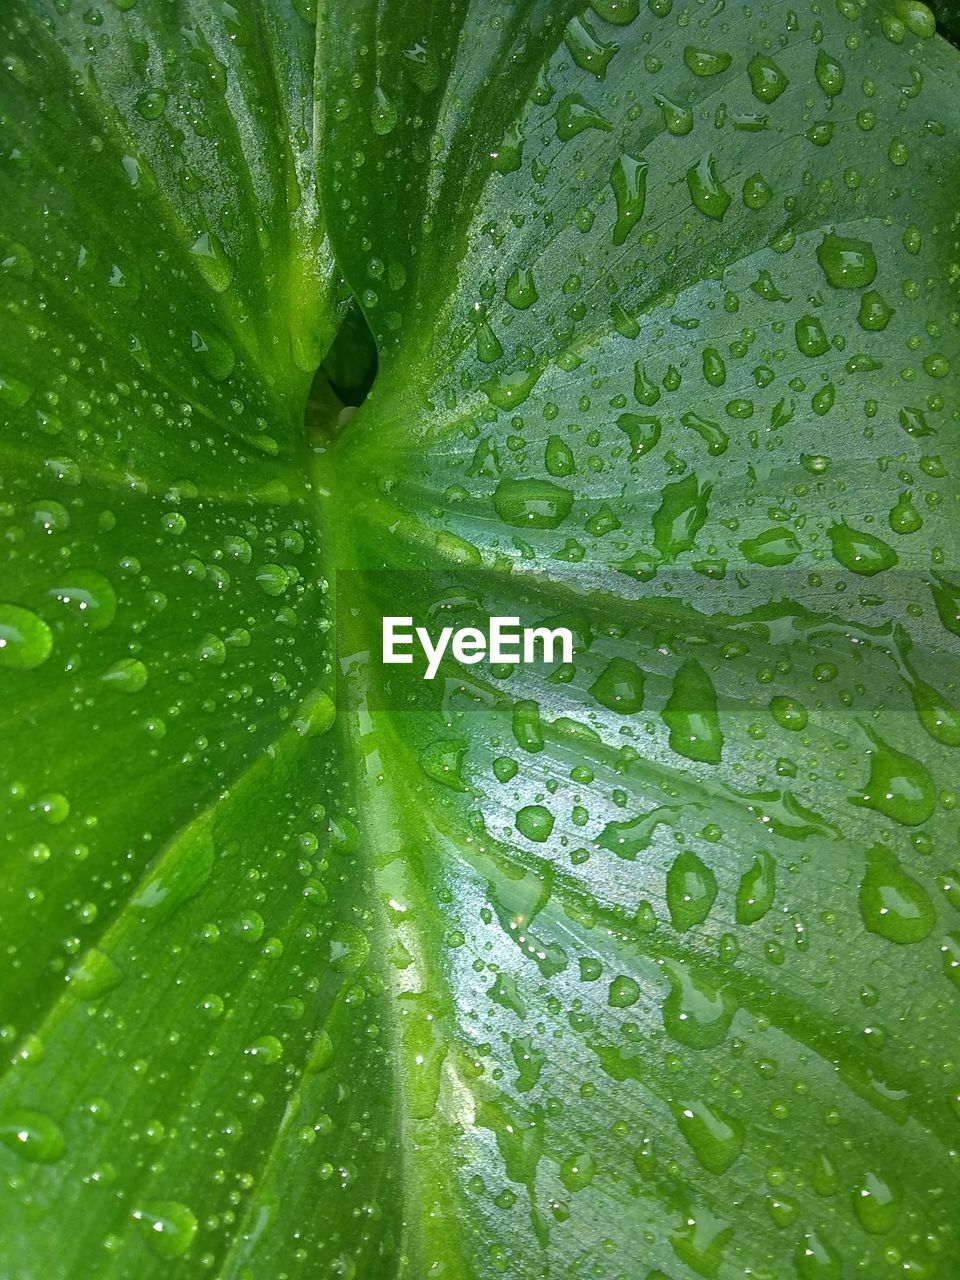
645 965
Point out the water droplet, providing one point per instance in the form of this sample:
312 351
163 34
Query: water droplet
267 1050
532 504
899 786
509 390
874 314
272 579
788 713
25 640
771 548
811 339
588 51
51 516
816 1259
677 120
714 369
756 191
624 992
558 457
489 347
535 822
520 290
847 263
706 190
89 594
216 354
170 1225
680 516
713 435
32 1135
939 718
212 262
578 1171
129 675
574 115
917 17
13 392
695 1013
859 551
829 72
946 597
628 178
715 1138
505 769
619 687
642 432
876 1202
691 715
527 729
892 903
691 890
383 114
645 392
757 889
151 104
705 62
181 872
94 975
767 80
904 516
619 12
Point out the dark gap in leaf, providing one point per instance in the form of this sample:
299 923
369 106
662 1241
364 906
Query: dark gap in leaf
351 363
948 20
343 380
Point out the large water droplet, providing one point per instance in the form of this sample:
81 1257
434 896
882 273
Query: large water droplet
170 1226
628 178
847 263
89 593
767 80
899 786
859 551
25 640
892 903
876 1202
715 1138
691 890
129 675
691 715
706 190
532 504
32 1135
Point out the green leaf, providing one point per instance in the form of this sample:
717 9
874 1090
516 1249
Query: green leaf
639 965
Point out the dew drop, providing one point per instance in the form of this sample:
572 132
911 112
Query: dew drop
705 62
129 675
892 904
691 891
25 640
767 80
859 551
847 263
628 178
691 715
535 822
32 1135
532 504
715 1138
706 190
170 1226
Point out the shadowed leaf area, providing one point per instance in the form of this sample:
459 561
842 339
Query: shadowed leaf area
638 318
